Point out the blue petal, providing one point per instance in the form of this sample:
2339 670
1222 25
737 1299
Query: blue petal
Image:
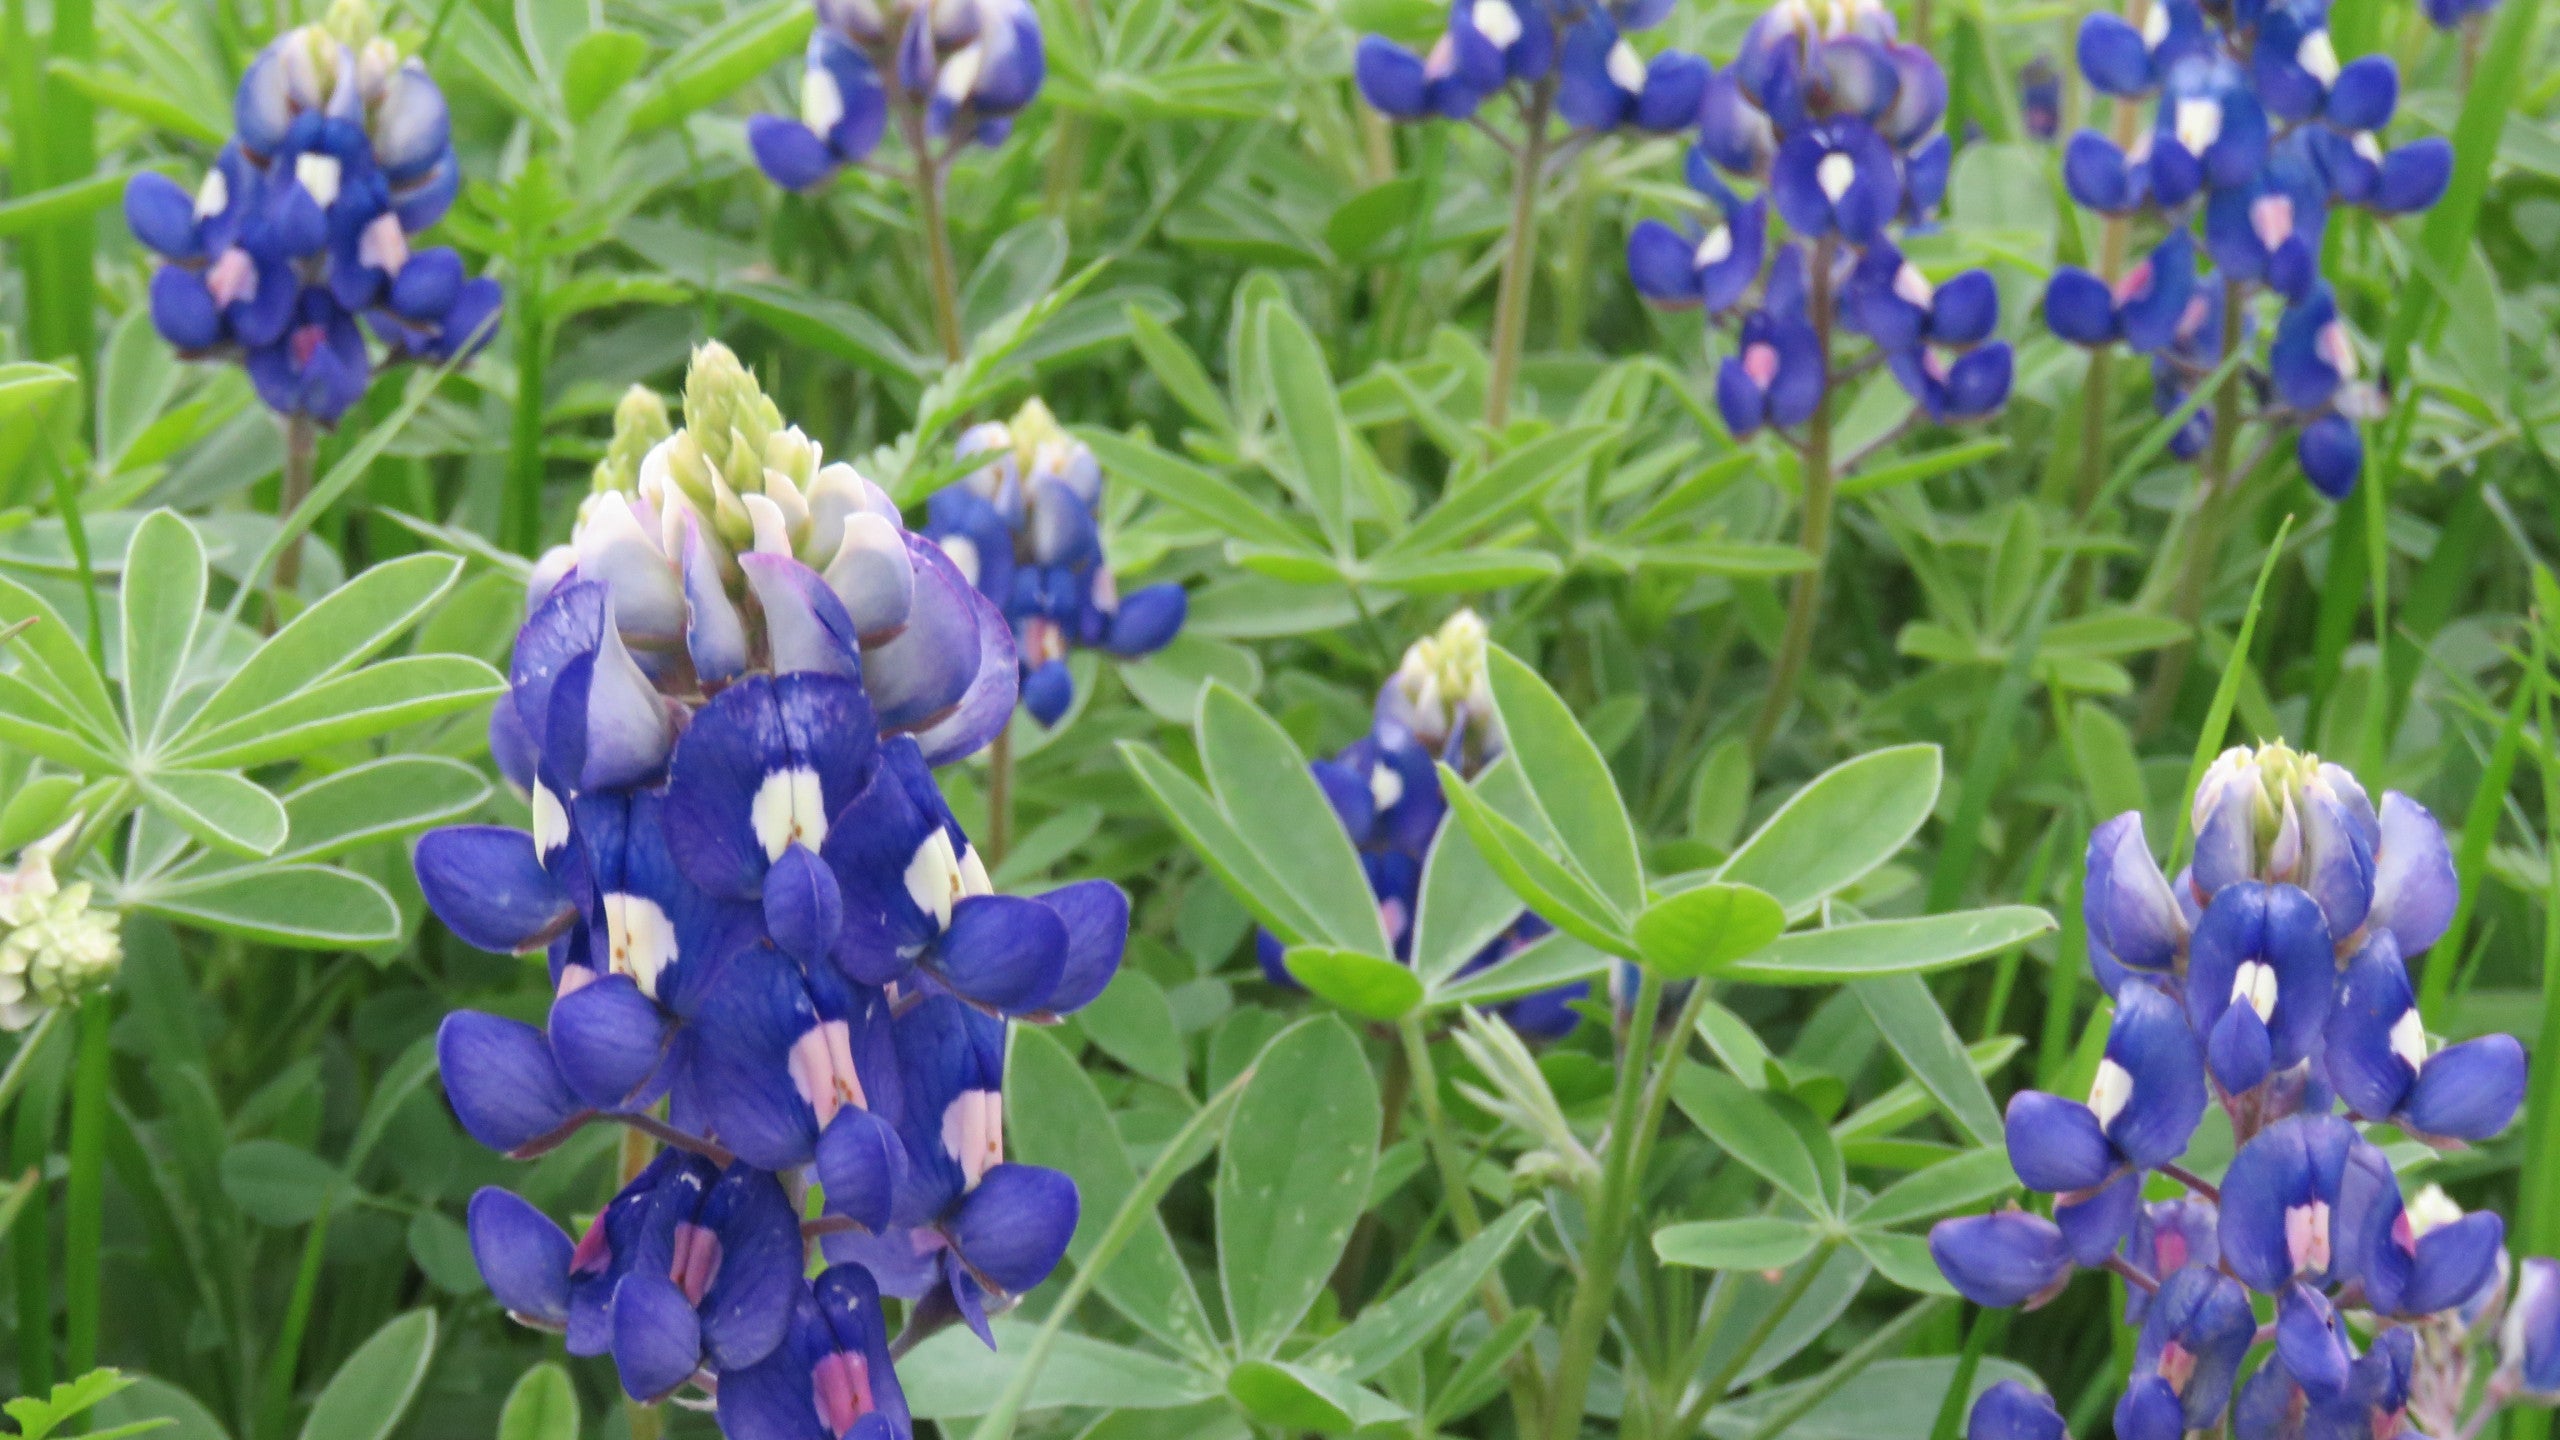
657 1337
1965 310
2309 1342
2454 1262
1999 1260
2112 54
763 769
182 309
522 1255
2095 1224
2149 1410
2055 1145
2079 307
1003 951
803 906
610 1040
2331 453
1049 691
986 706
1148 619
2365 93
807 629
747 1308
2010 1410
504 1085
2239 1050
755 1009
162 215
2094 172
1096 916
488 886
2469 1091
2373 1000
2414 176
2127 900
2415 890
1978 383
2150 1041
1390 77
862 1165
924 670
1014 1227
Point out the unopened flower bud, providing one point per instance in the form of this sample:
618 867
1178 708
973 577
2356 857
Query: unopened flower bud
640 422
54 948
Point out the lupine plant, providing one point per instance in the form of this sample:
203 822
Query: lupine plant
2270 979
1839 125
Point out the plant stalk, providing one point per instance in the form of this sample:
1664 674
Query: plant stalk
1804 605
932 214
1000 797
301 464
1519 261
1596 1289
520 517
84 1196
2203 539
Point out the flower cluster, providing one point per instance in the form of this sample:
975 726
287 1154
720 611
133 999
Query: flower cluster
1838 124
1572 54
1023 526
2270 977
959 69
1436 709
303 226
54 946
2456 14
2258 132
758 910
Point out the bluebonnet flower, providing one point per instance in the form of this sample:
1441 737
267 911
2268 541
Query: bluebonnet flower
2011 1410
300 237
1024 526
2269 977
953 71
2530 1335
1385 788
2040 98
1838 125
2258 133
1572 54
2456 14
757 911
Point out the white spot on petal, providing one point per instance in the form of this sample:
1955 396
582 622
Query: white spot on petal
2255 984
933 877
1835 174
2155 26
319 175
822 1070
1626 67
550 821
641 937
789 809
973 1132
1497 22
2306 1236
2318 56
2198 124
1386 787
1716 248
1913 286
2409 1038
213 196
821 99
2111 1092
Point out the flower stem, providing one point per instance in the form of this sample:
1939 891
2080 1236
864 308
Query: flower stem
1695 1412
301 463
84 1195
1609 1212
520 518
932 215
1804 606
1000 797
1519 261
38 1067
2203 539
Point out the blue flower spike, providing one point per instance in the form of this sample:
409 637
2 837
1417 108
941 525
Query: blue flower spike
2269 979
302 237
724 707
1024 527
949 72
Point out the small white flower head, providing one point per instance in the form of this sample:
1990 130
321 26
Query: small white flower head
55 948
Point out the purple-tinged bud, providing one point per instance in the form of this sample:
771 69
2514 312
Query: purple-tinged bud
2000 1260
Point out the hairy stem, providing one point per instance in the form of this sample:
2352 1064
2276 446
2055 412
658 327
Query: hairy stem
1804 605
1519 261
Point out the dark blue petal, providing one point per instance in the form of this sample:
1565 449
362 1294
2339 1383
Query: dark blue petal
1096 916
1965 310
162 215
610 1040
2309 1341
2079 307
1003 951
2365 93
2469 1091
1148 619
862 1165
2415 890
2149 1410
2095 1223
522 1255
488 886
2454 1262
182 309
763 769
657 1336
2331 453
2414 176
504 1085
2163 1091
1978 382
1673 85
2239 1049
803 906
1390 77
2055 1145
2374 1024
1048 692
1999 1260
2010 1410
747 1308
1014 1227
2112 54
2094 172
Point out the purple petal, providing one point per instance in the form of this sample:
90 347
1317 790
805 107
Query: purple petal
862 1165
2012 1411
1096 916
1003 951
657 1337
503 1083
2415 890
1014 1227
2055 1144
610 1040
2469 1091
791 154
1999 1260
747 1308
523 1256
489 887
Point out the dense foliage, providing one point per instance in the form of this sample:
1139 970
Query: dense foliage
1116 718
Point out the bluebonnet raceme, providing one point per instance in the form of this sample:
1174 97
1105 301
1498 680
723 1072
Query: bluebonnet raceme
1025 526
301 237
1836 123
959 70
2258 133
2269 977
769 940
1385 788
1572 54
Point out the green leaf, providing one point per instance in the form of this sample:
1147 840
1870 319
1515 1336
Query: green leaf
370 1394
1059 1120
1194 813
1312 434
1478 1376
27 386
1702 931
1889 1400
373 701
1555 893
544 1404
151 1400
1844 823
1570 778
1461 571
1761 1242
350 626
1921 467
1263 785
35 809
163 598
376 801
1908 1017
1543 964
1293 1178
37 1418
721 59
1299 1398
2102 748
1365 985
1463 906
1747 1125
601 63
441 1249
1892 947
1390 1328
1178 370
307 907
1902 1259
1516 482
1205 495
953 1376
1959 1183
1133 1024
222 808
1168 682
1906 1102
277 1183
834 327
53 660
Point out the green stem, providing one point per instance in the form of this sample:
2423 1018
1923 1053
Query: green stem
2204 538
1000 797
931 213
2538 1199
84 1195
32 1239
1804 605
2479 829
1608 1214
1519 261
1847 1368
520 518
64 319
1695 1412
275 1407
301 465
